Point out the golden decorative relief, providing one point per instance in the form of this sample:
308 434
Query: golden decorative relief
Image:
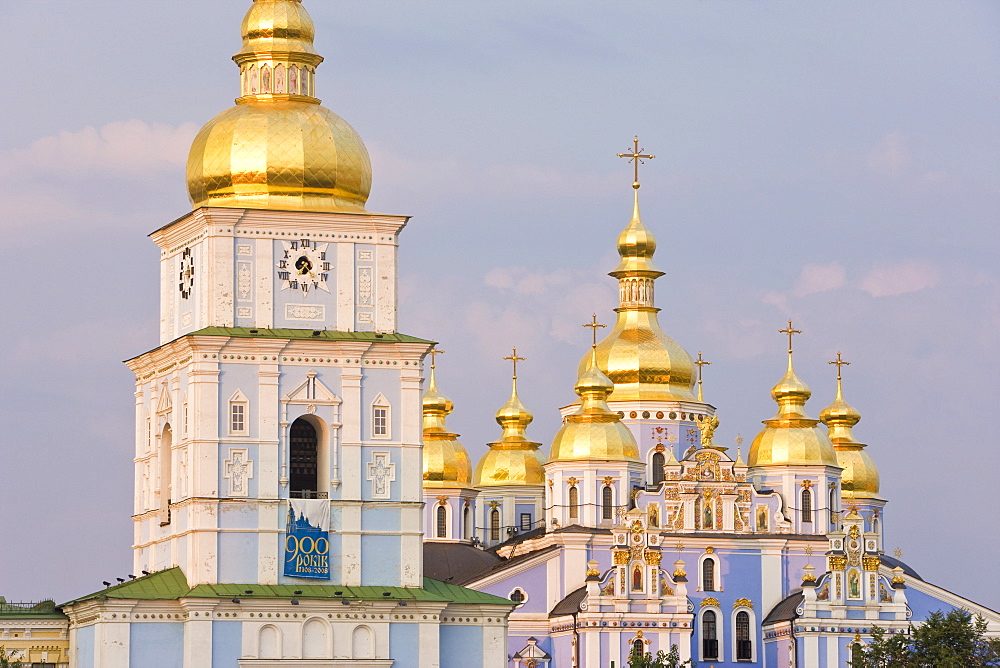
854 532
653 557
871 563
709 550
838 563
621 557
711 600
743 603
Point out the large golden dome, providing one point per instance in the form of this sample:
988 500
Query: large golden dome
643 362
446 462
594 432
791 438
278 148
860 477
513 459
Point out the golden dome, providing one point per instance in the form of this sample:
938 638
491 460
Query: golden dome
278 148
512 460
791 438
446 463
594 431
642 361
860 477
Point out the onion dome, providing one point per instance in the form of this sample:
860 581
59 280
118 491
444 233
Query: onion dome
513 459
791 438
642 361
278 148
860 478
446 463
594 431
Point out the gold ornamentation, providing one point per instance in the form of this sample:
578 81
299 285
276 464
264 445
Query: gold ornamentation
621 557
897 576
593 572
494 504
711 600
898 553
806 484
608 480
594 325
442 500
743 603
703 363
653 557
571 481
838 563
871 563
659 448
636 157
709 550
854 532
708 425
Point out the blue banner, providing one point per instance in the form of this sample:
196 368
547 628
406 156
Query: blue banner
307 539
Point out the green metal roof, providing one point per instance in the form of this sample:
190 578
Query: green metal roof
171 585
41 610
307 334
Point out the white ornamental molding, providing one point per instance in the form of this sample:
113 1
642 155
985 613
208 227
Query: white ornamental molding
238 470
365 286
381 473
305 312
244 280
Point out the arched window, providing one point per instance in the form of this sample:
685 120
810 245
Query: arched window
744 646
380 417
303 460
574 503
606 503
659 475
709 637
442 522
708 575
166 456
857 654
638 648
807 505
833 508
494 524
465 522
361 642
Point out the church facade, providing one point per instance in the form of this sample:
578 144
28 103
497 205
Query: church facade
278 445
637 531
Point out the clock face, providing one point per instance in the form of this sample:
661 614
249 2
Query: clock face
186 274
304 266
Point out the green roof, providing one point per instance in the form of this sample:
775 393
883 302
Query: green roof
307 334
171 585
41 610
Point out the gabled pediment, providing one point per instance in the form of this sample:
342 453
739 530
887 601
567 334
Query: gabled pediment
311 391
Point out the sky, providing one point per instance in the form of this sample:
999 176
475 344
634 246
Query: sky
834 163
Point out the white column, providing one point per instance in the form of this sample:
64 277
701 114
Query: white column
810 647
264 295
770 573
345 286
385 288
429 644
832 651
198 635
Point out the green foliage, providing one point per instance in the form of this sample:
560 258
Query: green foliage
671 659
7 662
945 640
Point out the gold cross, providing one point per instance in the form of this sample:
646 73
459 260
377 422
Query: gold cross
515 359
434 353
701 363
636 157
594 325
791 332
898 553
840 363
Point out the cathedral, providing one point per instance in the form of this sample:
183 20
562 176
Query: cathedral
300 500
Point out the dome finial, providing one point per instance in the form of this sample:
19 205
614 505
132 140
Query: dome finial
446 462
701 363
636 157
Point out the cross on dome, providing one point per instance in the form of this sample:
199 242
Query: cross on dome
515 359
790 332
636 157
594 326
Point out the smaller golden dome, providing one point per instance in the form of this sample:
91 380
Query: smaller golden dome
636 245
282 26
791 438
446 462
594 432
513 459
860 477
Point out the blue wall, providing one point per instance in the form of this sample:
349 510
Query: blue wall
227 644
380 561
238 557
84 649
404 645
157 645
461 646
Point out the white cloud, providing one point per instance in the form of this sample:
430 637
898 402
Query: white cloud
120 147
900 278
816 278
891 156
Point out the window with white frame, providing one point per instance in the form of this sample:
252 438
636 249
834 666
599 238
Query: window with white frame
238 414
380 418
743 633
708 571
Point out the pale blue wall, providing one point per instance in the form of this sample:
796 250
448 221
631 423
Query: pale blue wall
461 646
380 561
84 650
380 519
156 645
227 644
404 645
237 557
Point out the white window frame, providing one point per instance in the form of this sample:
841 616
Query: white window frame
381 404
720 634
447 519
238 400
716 572
523 592
753 634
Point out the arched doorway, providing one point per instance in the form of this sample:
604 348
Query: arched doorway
303 460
